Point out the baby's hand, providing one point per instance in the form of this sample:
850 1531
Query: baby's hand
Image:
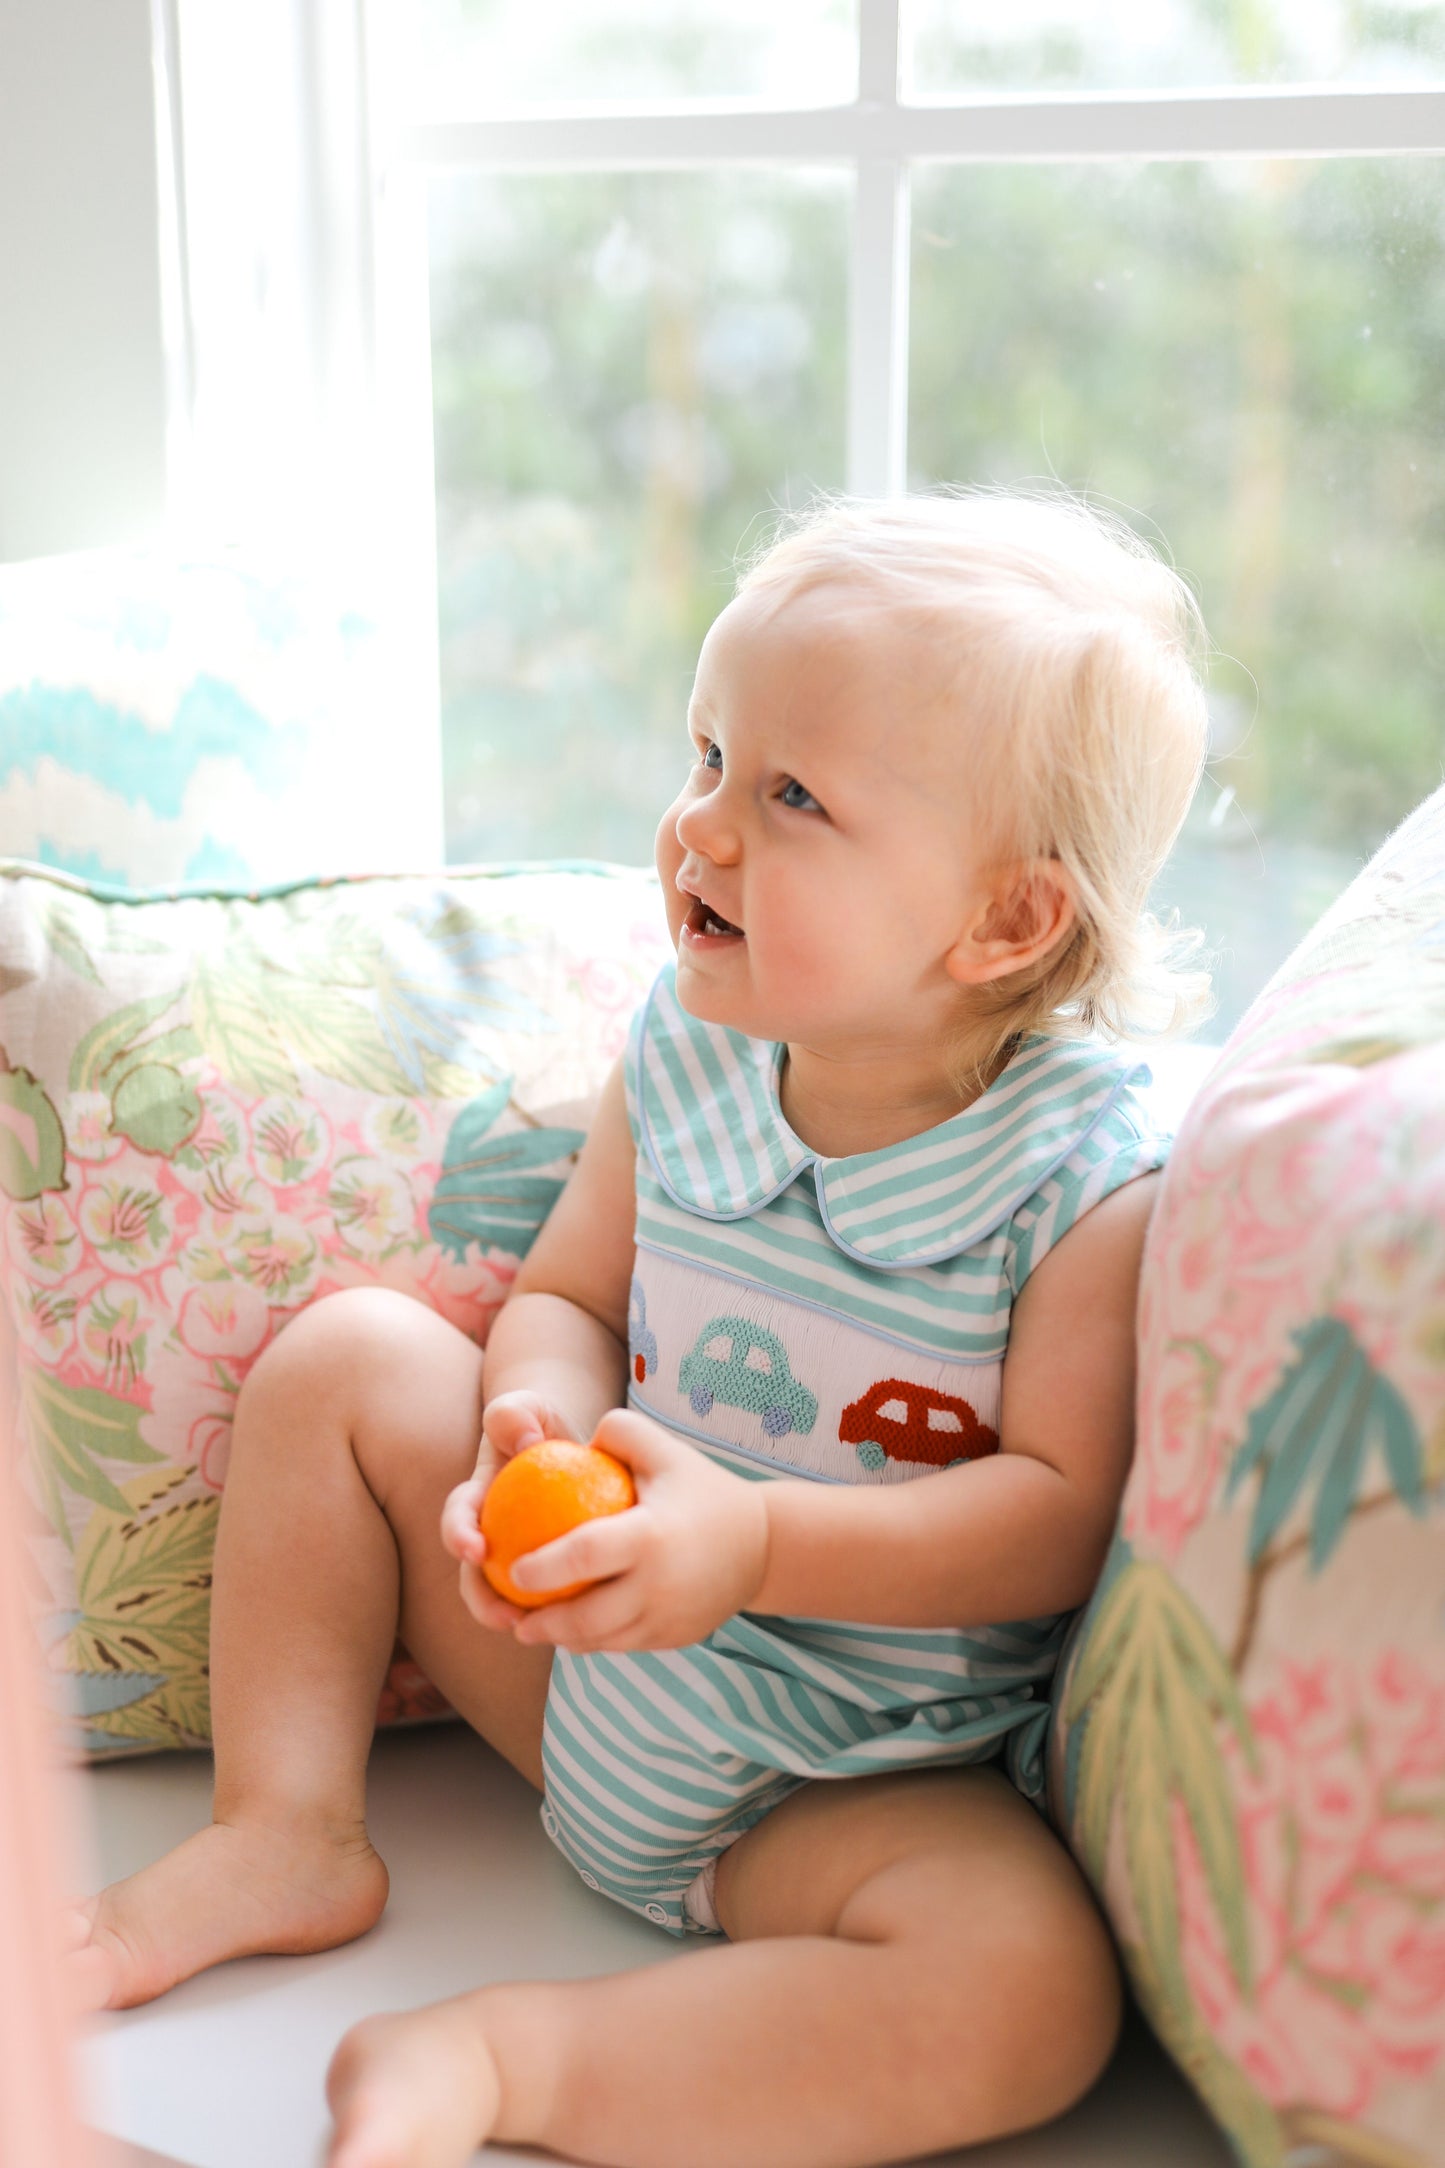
510 1422
686 1557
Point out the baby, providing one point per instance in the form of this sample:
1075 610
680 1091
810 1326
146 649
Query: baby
847 1275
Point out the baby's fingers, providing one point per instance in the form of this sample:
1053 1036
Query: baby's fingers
606 1617
460 1533
485 1605
596 1551
515 1420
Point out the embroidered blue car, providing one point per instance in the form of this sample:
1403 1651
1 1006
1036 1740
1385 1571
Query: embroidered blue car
738 1363
641 1339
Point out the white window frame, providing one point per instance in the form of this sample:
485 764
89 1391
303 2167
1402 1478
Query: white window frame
881 135
345 352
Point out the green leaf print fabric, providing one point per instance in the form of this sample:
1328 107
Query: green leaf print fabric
215 1109
1250 1753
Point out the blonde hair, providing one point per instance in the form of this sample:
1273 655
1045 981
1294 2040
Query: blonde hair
1073 657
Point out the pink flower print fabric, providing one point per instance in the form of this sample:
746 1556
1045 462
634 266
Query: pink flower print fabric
220 1109
1250 1752
1339 1820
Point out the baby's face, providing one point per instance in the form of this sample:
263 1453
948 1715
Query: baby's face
816 864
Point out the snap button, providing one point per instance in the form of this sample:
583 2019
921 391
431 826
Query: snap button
549 1821
658 1913
590 1879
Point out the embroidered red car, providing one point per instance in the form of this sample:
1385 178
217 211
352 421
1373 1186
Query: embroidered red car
897 1421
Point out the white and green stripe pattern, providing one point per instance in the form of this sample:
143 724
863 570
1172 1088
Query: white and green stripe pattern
927 1241
656 1762
958 1307
705 1101
784 1304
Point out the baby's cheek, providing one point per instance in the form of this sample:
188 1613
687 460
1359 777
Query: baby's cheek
835 950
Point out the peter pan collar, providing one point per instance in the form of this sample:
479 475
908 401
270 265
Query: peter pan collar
712 1125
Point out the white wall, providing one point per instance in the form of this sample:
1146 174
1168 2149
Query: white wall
82 369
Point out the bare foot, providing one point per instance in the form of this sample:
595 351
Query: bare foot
233 1890
416 2091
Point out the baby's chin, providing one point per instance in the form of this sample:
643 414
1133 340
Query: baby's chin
706 995
735 1008
703 998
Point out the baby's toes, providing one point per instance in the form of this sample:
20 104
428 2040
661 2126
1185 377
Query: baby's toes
75 1923
90 1966
412 2091
373 2116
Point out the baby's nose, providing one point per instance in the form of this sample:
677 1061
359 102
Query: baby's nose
706 828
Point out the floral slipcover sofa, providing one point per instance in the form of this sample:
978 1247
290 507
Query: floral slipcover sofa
1249 1754
214 1108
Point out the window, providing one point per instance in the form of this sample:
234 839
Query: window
1188 259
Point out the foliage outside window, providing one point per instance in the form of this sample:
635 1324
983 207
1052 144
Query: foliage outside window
1243 355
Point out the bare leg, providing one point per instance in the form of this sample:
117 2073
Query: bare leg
350 1431
915 1964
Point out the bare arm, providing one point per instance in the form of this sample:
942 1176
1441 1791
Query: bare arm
557 1353
1024 1532
562 1332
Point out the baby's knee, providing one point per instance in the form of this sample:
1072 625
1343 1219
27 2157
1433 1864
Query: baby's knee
1044 1998
330 1354
1076 1996
383 1377
1004 1973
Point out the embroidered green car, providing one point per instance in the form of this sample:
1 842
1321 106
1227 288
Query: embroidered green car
743 1366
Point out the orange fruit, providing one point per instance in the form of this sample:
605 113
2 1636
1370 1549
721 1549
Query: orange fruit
539 1494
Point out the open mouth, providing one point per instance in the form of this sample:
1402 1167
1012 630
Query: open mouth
706 924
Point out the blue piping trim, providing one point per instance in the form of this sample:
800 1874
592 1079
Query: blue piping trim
874 1332
688 1204
723 1447
981 1234
1139 1072
110 892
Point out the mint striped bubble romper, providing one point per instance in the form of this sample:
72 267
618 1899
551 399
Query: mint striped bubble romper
839 1321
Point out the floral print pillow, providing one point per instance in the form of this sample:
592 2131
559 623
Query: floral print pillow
1250 1752
213 719
214 1109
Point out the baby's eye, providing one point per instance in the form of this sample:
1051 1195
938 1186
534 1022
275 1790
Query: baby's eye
797 799
712 755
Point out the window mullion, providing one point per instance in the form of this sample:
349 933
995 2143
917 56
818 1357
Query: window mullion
405 483
178 327
1267 123
878 330
878 275
878 52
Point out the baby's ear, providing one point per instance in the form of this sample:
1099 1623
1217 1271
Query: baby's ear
1027 909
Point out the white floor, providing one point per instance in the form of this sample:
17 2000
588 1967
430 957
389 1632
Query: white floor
226 2072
